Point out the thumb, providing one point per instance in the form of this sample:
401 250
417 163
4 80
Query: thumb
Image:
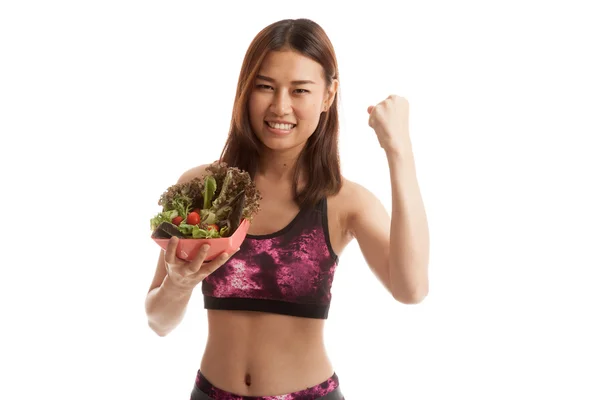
370 109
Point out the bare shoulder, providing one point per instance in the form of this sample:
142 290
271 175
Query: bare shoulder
194 172
351 189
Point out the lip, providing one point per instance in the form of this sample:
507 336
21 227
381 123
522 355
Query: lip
279 132
276 121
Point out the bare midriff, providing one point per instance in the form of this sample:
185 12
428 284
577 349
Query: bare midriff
259 354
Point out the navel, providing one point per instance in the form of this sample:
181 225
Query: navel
248 380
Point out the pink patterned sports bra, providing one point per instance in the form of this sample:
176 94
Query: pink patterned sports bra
288 272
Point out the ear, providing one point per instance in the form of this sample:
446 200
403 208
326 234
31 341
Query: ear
330 95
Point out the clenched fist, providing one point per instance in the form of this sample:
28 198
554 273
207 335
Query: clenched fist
389 120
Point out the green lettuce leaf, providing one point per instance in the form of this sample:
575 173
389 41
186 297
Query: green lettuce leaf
210 187
165 216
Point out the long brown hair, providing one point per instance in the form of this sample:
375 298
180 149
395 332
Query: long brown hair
319 159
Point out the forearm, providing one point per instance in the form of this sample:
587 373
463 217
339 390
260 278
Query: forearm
166 306
409 233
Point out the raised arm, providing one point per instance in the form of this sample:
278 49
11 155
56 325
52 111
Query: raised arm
396 248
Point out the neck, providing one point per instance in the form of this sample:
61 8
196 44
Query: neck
278 166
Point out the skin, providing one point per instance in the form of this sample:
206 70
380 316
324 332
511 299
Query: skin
280 353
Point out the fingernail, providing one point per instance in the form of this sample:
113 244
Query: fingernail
205 247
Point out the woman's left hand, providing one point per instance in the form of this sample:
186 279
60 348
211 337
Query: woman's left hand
389 120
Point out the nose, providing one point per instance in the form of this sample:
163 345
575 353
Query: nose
281 103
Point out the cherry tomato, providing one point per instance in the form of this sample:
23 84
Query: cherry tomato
193 218
213 227
177 220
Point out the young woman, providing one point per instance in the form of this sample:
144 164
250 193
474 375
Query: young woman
267 302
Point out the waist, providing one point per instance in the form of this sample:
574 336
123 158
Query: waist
278 353
327 390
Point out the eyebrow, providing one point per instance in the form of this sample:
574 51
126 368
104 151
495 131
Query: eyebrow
300 82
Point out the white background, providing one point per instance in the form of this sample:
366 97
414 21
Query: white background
104 104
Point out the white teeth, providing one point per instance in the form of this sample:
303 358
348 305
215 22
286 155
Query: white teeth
283 127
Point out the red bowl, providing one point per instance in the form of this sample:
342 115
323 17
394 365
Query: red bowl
188 248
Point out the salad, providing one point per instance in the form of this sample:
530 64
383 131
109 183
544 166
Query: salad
209 207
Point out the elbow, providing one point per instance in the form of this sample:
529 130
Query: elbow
153 320
155 324
412 298
157 330
409 288
415 295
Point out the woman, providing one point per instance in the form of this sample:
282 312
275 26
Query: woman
267 303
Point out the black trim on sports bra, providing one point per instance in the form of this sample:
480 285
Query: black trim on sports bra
325 223
272 306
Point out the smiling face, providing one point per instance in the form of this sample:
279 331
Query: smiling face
287 99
